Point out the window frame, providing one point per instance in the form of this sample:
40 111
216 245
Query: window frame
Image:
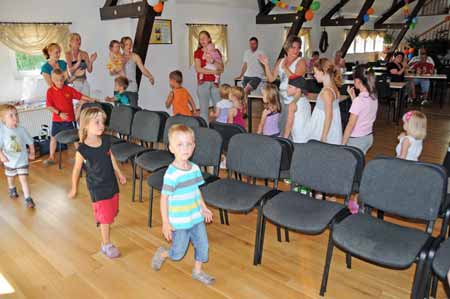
352 47
19 75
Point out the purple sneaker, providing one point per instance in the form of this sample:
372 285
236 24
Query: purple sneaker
110 251
353 206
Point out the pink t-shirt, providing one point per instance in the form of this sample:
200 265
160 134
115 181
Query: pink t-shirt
365 107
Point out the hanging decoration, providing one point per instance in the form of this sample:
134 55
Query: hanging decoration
369 12
309 15
158 5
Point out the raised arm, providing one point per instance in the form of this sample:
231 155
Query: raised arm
271 75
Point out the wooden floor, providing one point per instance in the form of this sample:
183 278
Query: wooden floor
53 251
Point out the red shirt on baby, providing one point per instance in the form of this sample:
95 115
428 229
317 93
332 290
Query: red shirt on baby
62 100
206 77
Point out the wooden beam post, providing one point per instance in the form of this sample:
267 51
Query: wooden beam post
358 23
405 28
297 24
327 20
379 24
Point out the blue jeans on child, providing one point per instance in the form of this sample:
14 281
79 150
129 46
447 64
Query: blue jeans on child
424 84
181 239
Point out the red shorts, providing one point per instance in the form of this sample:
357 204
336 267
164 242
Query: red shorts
106 210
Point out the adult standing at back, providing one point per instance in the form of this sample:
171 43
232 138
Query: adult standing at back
252 71
207 89
78 63
130 61
290 64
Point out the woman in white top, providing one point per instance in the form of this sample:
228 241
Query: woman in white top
291 64
325 124
130 61
411 141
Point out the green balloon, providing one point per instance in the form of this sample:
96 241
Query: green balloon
412 26
315 5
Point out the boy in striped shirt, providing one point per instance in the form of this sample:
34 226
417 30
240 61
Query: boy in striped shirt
183 210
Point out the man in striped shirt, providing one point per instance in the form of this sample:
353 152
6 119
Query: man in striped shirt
183 210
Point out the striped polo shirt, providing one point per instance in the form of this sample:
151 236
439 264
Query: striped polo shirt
181 186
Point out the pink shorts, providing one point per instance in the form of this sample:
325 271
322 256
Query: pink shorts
106 210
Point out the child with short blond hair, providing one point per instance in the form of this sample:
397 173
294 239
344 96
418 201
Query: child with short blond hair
183 210
224 105
411 141
14 140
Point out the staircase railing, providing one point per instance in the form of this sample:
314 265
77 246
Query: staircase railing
435 7
438 31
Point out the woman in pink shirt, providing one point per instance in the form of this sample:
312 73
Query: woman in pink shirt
363 112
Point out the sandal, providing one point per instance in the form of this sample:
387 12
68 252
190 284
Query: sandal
29 203
110 251
12 193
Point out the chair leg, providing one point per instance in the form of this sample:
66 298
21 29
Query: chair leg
256 252
141 174
263 233
133 191
348 260
286 234
279 233
225 213
380 214
326 269
150 207
60 156
221 216
434 285
418 276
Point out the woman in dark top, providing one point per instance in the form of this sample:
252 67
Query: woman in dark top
397 68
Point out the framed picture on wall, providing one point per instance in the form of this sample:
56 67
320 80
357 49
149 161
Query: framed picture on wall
161 32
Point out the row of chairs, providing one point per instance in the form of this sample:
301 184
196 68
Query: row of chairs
388 185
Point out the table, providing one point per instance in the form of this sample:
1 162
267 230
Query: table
435 79
349 73
312 97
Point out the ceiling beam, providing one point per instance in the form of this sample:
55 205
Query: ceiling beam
130 10
277 18
328 20
379 24
355 28
405 28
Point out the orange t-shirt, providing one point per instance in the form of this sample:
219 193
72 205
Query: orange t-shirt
181 102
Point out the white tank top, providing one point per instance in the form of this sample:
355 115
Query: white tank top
284 79
414 150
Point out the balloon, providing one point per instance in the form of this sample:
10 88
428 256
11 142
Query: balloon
309 15
366 18
152 2
410 56
411 50
158 7
315 5
414 20
299 8
370 11
406 52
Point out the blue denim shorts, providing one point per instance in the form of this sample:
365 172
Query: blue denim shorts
181 239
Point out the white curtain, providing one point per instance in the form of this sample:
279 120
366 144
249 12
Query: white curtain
219 36
32 38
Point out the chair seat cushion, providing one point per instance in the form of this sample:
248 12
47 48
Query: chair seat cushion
233 195
125 151
441 262
378 241
67 136
300 212
154 160
155 180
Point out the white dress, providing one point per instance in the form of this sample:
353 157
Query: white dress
300 128
318 118
414 150
284 80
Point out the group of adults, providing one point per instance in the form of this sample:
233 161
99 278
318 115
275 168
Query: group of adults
78 63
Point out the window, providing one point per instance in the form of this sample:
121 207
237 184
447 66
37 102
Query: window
219 36
27 65
367 42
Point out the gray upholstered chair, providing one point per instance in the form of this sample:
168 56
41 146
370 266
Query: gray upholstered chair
401 188
319 166
208 148
120 123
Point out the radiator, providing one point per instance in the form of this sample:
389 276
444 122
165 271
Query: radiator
32 119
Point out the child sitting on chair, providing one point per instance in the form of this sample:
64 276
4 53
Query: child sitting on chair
120 86
183 210
14 155
211 56
179 97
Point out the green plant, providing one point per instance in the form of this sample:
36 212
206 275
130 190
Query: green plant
435 47
388 39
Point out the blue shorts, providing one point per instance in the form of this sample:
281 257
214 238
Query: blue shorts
62 126
424 84
181 239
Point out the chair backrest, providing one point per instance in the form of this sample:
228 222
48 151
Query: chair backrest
133 97
287 149
121 119
404 188
227 131
254 155
163 116
324 167
208 148
446 162
146 126
383 88
107 107
189 121
359 155
202 121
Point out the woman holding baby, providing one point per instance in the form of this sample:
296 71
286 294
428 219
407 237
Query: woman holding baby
209 67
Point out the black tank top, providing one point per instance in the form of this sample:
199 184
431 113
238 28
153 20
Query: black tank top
100 177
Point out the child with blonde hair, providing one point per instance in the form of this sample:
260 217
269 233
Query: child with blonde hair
236 114
411 141
271 114
224 105
102 172
14 155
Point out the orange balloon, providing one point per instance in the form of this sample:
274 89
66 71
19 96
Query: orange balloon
309 15
370 11
158 7
411 50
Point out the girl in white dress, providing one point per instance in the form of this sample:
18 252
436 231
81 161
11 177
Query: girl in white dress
411 141
325 124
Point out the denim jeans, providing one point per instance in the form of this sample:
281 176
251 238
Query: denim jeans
181 239
207 91
424 84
